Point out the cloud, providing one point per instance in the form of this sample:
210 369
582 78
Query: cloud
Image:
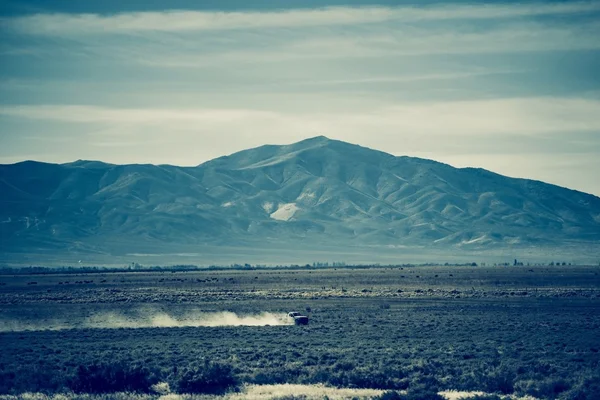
260 80
378 43
528 116
196 39
210 49
497 116
403 78
60 24
77 113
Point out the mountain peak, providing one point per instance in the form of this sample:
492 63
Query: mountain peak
320 138
87 164
311 142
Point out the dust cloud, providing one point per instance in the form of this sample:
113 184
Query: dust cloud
164 320
146 319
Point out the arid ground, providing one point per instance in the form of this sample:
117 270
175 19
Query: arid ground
505 330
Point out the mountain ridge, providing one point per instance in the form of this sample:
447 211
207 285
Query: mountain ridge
311 192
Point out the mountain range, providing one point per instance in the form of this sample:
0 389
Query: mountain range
317 192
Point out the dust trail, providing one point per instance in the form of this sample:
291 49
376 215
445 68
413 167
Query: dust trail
164 320
15 325
146 319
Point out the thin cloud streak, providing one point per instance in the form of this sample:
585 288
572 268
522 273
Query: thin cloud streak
60 24
528 116
36 85
404 78
77 113
397 42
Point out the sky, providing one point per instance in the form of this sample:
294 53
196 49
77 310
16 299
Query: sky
513 87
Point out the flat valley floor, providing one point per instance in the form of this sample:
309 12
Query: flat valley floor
506 330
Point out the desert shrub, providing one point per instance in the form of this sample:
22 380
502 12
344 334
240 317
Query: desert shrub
468 380
431 381
162 388
416 393
586 389
271 376
546 389
108 378
31 379
210 378
389 395
361 378
421 393
344 366
499 380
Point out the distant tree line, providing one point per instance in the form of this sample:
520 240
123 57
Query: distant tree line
136 267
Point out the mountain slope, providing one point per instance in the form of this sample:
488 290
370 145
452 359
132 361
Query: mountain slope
315 191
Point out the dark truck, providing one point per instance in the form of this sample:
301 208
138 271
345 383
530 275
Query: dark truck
298 318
